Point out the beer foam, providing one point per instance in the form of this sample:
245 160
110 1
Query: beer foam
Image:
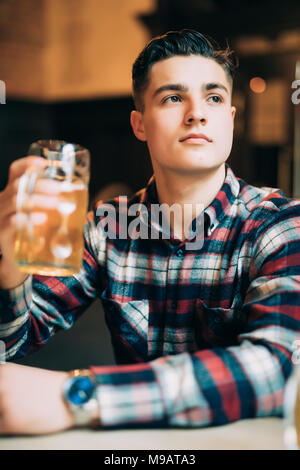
66 207
61 251
67 187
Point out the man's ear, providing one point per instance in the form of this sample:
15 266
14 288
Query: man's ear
137 124
233 112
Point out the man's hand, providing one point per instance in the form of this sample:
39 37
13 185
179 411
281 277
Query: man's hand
31 401
10 276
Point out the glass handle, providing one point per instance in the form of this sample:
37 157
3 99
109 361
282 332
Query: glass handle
25 191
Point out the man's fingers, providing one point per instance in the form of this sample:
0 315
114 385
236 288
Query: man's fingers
38 201
21 219
37 184
19 166
45 196
48 186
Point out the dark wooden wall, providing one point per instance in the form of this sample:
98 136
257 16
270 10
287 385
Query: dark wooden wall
101 125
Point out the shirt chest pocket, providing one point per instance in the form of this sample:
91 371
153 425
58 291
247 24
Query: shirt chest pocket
128 326
217 326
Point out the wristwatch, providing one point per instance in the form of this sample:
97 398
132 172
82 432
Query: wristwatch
80 394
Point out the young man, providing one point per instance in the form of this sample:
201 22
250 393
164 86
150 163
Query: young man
204 335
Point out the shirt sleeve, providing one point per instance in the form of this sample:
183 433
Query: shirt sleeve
221 385
32 312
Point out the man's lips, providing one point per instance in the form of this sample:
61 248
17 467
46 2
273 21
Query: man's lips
195 138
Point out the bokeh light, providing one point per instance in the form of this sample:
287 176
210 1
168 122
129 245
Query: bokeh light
258 85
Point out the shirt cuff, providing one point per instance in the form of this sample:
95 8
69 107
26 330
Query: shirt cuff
129 395
15 302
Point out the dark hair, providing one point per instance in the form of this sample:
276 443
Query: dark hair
185 42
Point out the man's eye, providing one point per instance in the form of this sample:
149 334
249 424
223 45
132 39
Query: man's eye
172 99
216 99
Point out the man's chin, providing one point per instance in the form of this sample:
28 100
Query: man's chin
199 168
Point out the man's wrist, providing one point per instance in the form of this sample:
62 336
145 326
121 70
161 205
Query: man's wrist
10 276
8 283
80 395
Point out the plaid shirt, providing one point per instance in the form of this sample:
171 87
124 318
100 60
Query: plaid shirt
202 336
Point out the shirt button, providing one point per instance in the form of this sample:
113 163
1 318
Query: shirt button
174 305
217 319
179 253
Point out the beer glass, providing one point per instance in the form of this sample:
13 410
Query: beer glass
292 410
50 239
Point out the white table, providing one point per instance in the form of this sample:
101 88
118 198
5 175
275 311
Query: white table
252 434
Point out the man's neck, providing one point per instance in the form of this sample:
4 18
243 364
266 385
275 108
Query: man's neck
192 192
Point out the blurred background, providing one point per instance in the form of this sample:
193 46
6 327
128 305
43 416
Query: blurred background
67 64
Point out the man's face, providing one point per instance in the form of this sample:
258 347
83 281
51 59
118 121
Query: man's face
186 96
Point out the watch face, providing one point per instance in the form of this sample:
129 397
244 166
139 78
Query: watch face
81 390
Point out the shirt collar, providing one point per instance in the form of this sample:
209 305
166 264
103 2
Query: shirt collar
218 209
221 206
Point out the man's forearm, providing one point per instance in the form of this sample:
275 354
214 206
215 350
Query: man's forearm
209 387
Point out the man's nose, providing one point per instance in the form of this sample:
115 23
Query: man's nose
195 113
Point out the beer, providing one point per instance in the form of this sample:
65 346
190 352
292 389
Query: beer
55 246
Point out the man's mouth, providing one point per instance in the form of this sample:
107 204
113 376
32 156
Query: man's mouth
195 138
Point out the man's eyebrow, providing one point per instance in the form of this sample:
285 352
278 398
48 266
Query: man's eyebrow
213 86
184 88
170 87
